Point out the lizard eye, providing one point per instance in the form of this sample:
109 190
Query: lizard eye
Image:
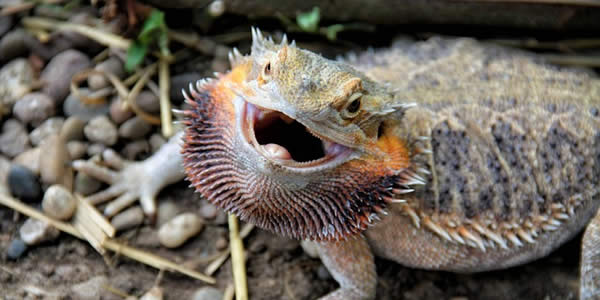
267 71
352 108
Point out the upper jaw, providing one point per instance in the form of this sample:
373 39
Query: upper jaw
291 145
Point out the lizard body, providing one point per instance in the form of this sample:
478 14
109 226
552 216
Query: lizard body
474 157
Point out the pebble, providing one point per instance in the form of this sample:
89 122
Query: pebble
117 113
55 163
6 22
134 128
112 65
14 139
59 70
208 210
167 210
156 141
14 44
34 108
59 203
179 82
92 289
50 127
95 149
34 231
16 78
16 249
207 293
77 149
72 129
179 229
101 130
155 293
221 243
30 159
216 8
136 150
73 106
129 218
85 184
23 184
148 102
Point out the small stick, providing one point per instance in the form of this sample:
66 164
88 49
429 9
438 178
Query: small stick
238 261
164 85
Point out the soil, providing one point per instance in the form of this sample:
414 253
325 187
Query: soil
277 268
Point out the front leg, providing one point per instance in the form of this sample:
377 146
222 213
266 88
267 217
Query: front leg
589 282
352 265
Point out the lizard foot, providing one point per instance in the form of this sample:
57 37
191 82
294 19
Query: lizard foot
589 285
352 265
134 180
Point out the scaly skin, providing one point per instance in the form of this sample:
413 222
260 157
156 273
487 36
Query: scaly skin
496 164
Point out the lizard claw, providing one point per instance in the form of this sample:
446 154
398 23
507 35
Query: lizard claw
131 181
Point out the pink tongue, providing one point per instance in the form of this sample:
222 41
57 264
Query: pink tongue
276 151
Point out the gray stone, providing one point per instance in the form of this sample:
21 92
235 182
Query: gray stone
35 231
16 79
50 127
14 44
148 102
117 113
73 106
101 130
136 150
6 22
86 185
72 129
16 249
34 108
30 159
14 139
57 74
112 65
132 217
59 203
207 293
77 149
134 128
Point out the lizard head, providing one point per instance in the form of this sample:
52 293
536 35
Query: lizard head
295 143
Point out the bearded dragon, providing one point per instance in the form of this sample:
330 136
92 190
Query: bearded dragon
447 154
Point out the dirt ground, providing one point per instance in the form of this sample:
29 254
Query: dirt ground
277 268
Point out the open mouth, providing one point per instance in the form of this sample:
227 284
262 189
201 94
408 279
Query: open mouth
281 138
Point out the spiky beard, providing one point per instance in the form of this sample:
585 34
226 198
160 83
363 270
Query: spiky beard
332 205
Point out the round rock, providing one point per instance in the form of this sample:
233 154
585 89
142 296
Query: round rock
129 218
72 129
16 79
207 293
14 139
73 106
179 229
86 185
57 74
30 159
16 248
50 127
148 102
134 128
35 231
23 184
101 130
13 44
77 149
55 162
59 203
34 108
112 65
117 113
136 149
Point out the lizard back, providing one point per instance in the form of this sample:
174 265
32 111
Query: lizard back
513 164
